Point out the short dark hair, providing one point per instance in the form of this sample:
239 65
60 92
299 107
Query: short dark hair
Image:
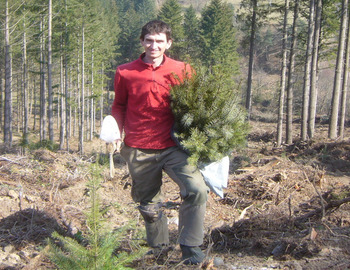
156 27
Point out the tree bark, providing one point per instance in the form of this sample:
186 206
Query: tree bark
333 125
61 108
314 71
82 97
77 99
25 87
289 128
8 83
345 84
34 104
283 76
1 94
42 84
67 96
92 113
307 71
18 96
49 74
248 103
102 95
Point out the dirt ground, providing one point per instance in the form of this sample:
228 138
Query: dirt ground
284 208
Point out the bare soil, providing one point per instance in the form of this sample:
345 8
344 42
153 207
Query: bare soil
284 208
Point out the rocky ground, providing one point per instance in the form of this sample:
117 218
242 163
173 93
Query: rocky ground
284 208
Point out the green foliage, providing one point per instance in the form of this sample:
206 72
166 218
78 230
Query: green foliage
171 13
146 9
218 44
132 15
209 122
47 144
331 18
24 142
268 15
191 34
103 160
97 248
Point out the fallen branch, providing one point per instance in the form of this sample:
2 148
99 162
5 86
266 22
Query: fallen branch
319 195
244 212
333 233
10 160
318 211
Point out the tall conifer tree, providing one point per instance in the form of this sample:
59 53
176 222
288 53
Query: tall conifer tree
219 37
171 13
132 15
191 34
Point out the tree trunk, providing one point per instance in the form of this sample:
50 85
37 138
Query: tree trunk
25 87
49 73
283 76
87 113
19 95
8 83
42 84
345 84
1 95
61 108
82 105
34 104
66 102
92 114
102 96
289 128
248 103
314 71
333 125
77 98
307 71
67 97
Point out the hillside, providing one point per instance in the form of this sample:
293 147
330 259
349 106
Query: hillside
199 4
283 209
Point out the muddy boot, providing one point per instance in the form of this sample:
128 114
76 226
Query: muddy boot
160 251
192 255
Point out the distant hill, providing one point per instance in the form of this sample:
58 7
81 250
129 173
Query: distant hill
199 4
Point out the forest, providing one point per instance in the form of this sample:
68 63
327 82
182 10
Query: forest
58 60
286 63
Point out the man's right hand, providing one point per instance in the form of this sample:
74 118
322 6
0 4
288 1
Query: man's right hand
114 146
118 145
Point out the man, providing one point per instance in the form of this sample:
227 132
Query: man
142 109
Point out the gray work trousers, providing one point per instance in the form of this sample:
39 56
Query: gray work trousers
146 167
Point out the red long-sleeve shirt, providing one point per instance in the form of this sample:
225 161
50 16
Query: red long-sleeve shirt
141 105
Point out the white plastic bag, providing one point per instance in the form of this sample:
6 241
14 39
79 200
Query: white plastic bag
109 130
216 175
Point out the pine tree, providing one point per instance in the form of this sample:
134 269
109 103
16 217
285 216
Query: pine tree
146 9
132 15
191 35
218 36
209 122
95 249
171 13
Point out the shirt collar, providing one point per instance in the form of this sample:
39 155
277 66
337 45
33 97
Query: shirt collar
150 65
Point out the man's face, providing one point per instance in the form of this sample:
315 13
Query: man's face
155 45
